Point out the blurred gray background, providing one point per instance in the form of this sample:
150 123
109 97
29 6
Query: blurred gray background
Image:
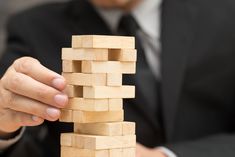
9 7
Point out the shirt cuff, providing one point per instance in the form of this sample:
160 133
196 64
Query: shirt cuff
4 144
167 152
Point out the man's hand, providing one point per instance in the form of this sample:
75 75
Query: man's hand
142 151
29 94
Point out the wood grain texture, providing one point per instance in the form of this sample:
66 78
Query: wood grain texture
85 54
97 79
97 117
77 116
76 152
74 91
109 92
114 79
97 142
71 66
108 67
125 55
82 79
83 104
102 41
106 129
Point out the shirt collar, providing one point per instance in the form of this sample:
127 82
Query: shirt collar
147 14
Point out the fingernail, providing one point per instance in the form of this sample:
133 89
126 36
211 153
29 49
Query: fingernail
36 118
58 83
53 113
61 99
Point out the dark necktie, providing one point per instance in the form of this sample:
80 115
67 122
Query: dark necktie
144 78
129 27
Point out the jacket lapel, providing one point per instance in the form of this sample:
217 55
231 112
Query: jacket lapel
176 40
85 19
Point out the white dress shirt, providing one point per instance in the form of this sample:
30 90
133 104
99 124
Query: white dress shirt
148 16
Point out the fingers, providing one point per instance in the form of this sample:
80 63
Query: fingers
23 119
32 107
35 70
30 93
18 119
26 86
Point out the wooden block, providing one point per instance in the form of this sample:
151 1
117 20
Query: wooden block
109 92
129 152
114 79
81 79
98 79
66 115
125 152
97 142
126 55
128 128
116 152
84 54
83 104
66 140
101 92
115 104
108 67
71 66
105 129
88 104
97 117
75 152
74 91
102 41
91 116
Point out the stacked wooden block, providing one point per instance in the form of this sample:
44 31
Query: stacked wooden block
93 69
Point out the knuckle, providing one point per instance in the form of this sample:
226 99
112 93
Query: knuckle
17 118
36 110
25 64
42 93
5 78
15 81
22 120
11 100
4 96
3 112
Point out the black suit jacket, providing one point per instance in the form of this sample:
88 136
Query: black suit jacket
198 74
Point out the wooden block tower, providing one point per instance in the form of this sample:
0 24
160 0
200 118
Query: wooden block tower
93 69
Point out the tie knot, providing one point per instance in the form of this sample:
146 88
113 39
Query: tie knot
128 25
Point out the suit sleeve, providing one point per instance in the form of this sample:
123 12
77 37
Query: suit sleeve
18 45
5 143
214 146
